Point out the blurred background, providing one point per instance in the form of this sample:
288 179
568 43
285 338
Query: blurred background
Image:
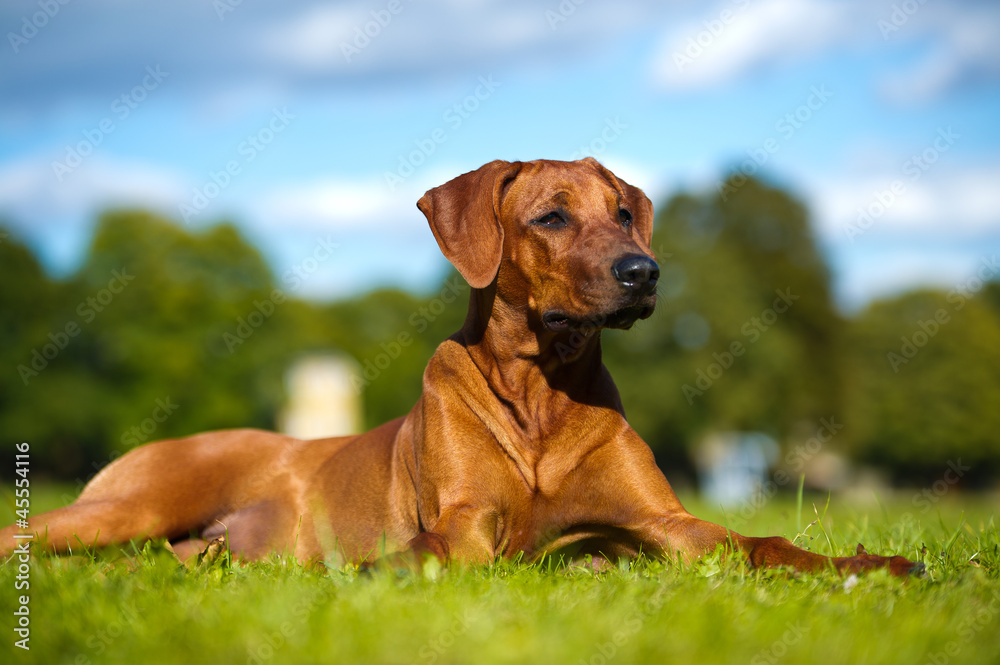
207 220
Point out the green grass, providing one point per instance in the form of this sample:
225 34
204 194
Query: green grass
140 605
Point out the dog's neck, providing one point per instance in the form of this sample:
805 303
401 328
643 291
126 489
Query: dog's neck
541 372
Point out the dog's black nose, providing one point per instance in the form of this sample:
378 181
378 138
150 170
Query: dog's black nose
636 272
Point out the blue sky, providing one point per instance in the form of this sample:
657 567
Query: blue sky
889 107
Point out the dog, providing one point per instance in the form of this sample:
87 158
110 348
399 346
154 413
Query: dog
518 444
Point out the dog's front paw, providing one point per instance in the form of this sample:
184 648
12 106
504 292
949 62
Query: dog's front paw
424 554
896 565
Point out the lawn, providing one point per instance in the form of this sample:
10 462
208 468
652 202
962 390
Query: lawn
139 605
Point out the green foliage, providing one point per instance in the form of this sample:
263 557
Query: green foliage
142 324
925 373
27 302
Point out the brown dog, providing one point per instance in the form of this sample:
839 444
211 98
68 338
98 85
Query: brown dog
518 443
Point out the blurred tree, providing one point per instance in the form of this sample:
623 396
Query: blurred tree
925 378
28 300
991 295
161 333
183 326
392 334
744 336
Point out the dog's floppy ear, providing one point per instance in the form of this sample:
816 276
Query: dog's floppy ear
464 214
639 204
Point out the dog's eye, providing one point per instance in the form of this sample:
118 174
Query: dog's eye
551 219
625 217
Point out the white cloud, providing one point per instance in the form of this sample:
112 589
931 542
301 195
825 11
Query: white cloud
963 45
955 42
962 202
366 204
865 278
353 37
30 190
333 203
740 36
933 232
312 38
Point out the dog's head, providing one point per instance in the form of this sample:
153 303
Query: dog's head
568 241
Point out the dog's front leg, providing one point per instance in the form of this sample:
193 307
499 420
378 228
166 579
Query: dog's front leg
655 518
692 538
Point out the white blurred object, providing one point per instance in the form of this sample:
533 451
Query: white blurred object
732 466
321 400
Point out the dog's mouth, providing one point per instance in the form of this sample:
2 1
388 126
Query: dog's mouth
557 321
623 319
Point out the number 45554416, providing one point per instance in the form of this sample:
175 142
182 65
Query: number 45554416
21 463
